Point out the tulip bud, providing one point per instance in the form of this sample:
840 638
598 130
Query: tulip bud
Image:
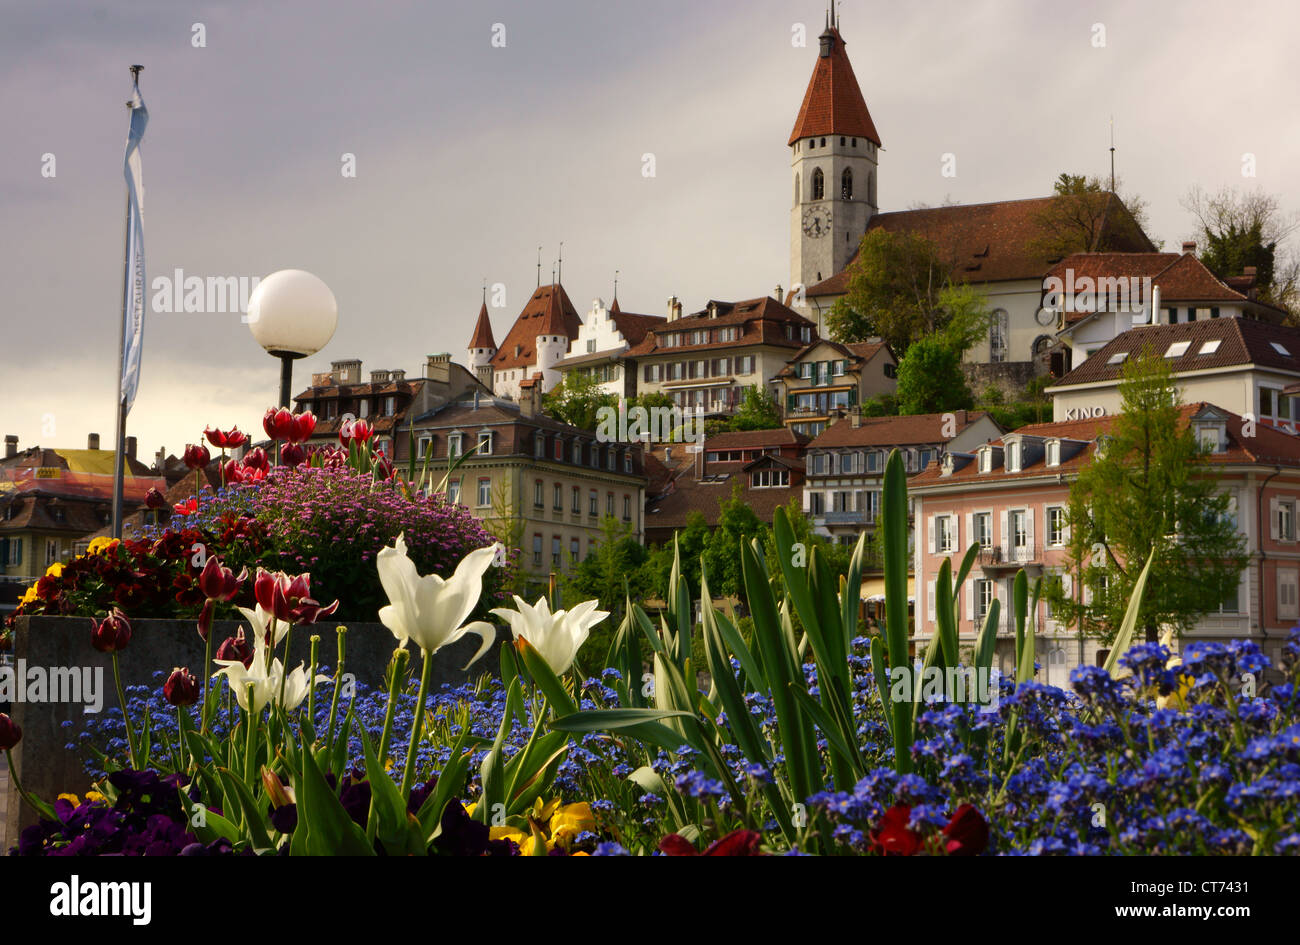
112 633
362 431
196 455
230 471
278 423
153 499
292 455
236 648
276 790
10 732
257 459
181 688
304 424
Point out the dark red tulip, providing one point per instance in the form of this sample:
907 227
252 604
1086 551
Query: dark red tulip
181 688
383 468
257 459
289 599
112 633
10 732
893 835
736 843
967 833
226 439
197 455
292 455
153 499
278 423
236 648
304 424
218 582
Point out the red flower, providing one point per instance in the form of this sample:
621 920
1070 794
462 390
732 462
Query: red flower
967 833
236 648
278 423
228 439
188 507
257 459
249 474
197 455
181 688
153 499
362 431
383 468
112 633
10 732
736 843
304 424
292 455
289 599
893 835
220 583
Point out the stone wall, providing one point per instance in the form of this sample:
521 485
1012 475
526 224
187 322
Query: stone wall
1012 377
47 769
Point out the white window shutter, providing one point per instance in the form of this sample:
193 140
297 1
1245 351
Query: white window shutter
956 534
1065 530
929 531
1030 515
929 599
1067 584
970 597
1003 538
1272 519
970 528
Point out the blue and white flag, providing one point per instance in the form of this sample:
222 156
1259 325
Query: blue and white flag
133 303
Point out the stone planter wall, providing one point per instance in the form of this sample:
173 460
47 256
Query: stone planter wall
48 769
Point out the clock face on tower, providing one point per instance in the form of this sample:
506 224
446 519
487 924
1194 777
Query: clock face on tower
817 221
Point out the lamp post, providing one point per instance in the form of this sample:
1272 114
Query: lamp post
292 314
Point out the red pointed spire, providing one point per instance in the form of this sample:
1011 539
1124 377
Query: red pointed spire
833 103
614 309
482 330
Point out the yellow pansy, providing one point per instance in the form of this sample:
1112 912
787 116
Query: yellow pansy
71 798
54 570
30 596
571 820
100 544
93 797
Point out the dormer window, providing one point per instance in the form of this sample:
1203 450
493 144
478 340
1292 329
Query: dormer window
539 446
986 460
1211 437
1013 456
455 444
1053 452
485 443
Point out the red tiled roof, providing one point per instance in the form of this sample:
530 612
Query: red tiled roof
893 431
991 242
634 327
482 337
1242 341
547 312
1180 276
1267 446
752 439
762 321
833 103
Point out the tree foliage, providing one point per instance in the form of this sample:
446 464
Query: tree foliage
758 411
577 399
930 379
1149 491
1087 218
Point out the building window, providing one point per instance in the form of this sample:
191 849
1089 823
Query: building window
424 444
593 508
609 504
944 538
453 492
983 523
537 551
1288 584
610 459
627 462
485 443
577 501
1232 603
454 444
999 326
983 598
1054 452
1286 520
816 503
557 498
1013 457
539 499
1020 530
484 492
627 508
539 446
559 449
577 452
555 550
573 549
15 551
846 183
1056 526
818 185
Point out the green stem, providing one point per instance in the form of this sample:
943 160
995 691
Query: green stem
425 675
284 674
311 692
399 672
341 636
250 746
207 679
126 716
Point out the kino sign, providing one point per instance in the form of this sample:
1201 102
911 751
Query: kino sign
1085 413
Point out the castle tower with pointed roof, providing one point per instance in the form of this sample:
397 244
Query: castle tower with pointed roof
834 150
539 338
482 346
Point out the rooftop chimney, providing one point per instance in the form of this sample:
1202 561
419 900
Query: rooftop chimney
11 446
776 293
437 368
855 417
346 372
484 375
673 308
399 375
1189 247
92 441
160 459
530 396
130 447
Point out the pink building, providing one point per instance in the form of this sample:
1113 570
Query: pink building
1010 496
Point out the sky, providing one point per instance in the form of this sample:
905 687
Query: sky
482 131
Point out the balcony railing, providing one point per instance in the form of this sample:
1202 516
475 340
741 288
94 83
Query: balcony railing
1010 554
850 518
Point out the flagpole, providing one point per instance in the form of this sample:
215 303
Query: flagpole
119 460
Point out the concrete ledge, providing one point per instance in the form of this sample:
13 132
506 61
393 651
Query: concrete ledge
47 769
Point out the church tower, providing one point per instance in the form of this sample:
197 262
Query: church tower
834 149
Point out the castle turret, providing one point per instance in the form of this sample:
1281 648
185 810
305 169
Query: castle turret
482 347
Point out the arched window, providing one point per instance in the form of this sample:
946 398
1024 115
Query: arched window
998 329
1041 344
818 185
846 184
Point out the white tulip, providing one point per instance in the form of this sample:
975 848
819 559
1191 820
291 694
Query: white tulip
429 610
266 680
261 620
556 636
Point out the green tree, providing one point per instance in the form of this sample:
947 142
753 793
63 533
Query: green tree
576 400
1149 491
1087 218
893 291
1236 229
736 523
758 411
930 379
